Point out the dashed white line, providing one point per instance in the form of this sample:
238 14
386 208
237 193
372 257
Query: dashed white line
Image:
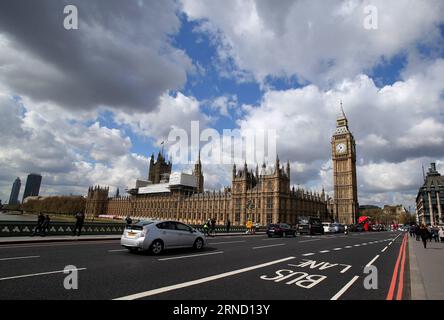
336 249
40 274
357 245
308 254
308 240
324 251
348 247
191 256
19 258
226 242
384 249
373 260
117 250
271 245
345 288
199 281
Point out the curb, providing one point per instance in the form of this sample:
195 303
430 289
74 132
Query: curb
417 289
48 240
117 237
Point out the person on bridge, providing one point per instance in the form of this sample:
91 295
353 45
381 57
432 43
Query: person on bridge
40 221
441 234
128 220
45 225
425 235
228 225
80 219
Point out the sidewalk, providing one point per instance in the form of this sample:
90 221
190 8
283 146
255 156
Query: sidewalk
426 269
38 239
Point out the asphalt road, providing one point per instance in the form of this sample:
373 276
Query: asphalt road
239 267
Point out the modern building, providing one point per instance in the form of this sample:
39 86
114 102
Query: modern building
32 187
345 199
264 196
13 198
430 198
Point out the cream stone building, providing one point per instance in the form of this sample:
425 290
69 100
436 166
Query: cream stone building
263 195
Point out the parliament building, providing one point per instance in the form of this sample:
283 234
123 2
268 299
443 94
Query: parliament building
263 195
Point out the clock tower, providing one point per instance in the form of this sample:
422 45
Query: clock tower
344 172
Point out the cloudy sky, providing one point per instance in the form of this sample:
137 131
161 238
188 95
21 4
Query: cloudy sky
89 106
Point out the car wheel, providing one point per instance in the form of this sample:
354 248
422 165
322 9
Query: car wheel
198 244
156 247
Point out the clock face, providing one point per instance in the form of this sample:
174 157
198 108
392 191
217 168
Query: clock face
341 148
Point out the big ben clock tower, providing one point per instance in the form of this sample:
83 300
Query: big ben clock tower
344 172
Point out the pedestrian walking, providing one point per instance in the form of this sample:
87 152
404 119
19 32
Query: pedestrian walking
45 225
228 225
80 219
40 221
417 232
249 226
435 231
412 230
429 229
128 220
425 235
441 234
213 227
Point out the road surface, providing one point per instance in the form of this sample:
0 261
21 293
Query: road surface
235 268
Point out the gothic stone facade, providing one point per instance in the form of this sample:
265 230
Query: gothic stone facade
265 197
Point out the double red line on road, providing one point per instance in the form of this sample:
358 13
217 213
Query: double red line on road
399 266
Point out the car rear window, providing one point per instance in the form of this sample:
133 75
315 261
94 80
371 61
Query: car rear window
273 226
139 225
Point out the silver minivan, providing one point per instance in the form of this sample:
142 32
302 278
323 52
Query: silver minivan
156 235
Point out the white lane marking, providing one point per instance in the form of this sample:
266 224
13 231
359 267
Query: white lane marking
199 281
373 260
271 239
345 288
39 274
364 244
348 247
357 245
271 245
384 249
309 240
324 251
345 269
116 250
18 258
390 243
224 242
190 256
336 249
74 242
308 254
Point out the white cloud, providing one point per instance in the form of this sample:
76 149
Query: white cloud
173 112
70 154
318 41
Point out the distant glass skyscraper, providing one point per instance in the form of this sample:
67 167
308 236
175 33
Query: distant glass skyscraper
32 187
13 198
